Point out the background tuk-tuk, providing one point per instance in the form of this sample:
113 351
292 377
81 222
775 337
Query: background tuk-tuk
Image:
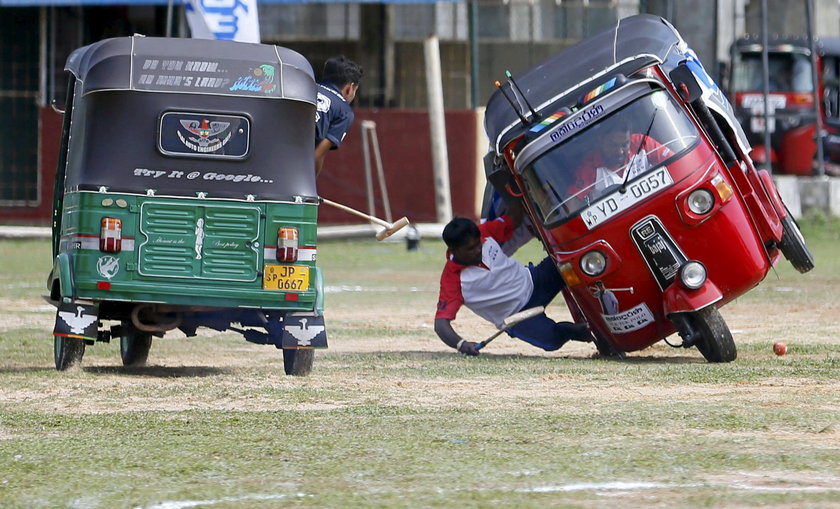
684 225
185 197
791 98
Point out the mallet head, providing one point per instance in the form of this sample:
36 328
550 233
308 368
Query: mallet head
395 227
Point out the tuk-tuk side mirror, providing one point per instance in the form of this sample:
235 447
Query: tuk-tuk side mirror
686 83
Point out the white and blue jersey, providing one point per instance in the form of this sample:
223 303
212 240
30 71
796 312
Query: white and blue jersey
333 116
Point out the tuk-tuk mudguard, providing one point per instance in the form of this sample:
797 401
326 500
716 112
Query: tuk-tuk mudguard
775 199
677 299
63 273
765 205
319 292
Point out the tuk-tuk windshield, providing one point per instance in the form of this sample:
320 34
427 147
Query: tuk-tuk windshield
788 72
618 150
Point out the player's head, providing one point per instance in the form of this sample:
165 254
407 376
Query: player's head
615 144
463 239
345 74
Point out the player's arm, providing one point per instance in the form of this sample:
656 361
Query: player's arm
321 150
444 330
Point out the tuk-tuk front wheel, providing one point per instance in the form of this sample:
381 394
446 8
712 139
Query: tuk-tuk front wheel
715 340
794 247
134 345
68 352
298 361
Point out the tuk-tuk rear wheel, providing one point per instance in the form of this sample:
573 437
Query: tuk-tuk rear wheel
794 247
715 342
68 352
298 361
134 345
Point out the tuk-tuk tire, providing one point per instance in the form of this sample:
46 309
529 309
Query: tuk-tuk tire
794 247
715 343
134 345
68 352
298 361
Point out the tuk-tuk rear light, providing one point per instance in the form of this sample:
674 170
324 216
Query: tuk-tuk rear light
724 190
293 297
103 285
110 235
569 275
593 263
287 244
701 201
692 274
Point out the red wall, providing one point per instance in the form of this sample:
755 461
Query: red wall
50 137
405 147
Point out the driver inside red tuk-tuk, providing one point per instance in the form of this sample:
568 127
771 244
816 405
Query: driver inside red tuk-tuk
618 151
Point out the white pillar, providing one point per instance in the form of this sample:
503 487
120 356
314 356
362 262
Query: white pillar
437 124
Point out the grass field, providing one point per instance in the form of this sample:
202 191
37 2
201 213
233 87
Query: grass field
390 417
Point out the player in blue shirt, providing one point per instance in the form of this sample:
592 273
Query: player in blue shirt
334 116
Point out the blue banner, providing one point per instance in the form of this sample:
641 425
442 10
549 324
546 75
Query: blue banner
224 20
71 3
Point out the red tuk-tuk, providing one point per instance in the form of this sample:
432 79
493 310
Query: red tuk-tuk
683 224
791 98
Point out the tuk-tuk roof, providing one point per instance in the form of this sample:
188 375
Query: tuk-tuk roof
159 64
632 44
824 45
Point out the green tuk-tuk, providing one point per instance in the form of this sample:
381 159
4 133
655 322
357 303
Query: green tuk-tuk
185 197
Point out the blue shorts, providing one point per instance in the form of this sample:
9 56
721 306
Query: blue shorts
541 331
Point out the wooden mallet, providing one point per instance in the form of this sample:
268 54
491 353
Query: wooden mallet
390 228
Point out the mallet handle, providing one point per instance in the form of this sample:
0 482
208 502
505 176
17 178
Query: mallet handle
491 338
345 208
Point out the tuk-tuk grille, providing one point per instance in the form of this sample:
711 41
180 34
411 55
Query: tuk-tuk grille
200 242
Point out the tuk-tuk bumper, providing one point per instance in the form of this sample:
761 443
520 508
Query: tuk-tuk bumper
678 299
63 285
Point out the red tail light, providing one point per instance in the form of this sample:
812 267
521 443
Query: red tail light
110 235
287 244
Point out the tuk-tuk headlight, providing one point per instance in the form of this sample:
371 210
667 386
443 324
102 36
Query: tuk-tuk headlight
593 263
692 274
701 201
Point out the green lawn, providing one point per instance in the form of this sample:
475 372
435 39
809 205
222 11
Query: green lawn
390 417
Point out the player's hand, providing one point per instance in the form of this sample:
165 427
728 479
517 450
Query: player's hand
468 348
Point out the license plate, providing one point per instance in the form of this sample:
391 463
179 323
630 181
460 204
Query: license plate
617 202
289 278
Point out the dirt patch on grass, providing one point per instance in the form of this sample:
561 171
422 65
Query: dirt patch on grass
223 372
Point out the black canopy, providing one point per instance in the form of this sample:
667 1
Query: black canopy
187 117
637 41
159 64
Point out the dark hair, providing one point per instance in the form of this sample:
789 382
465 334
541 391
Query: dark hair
621 125
341 71
459 231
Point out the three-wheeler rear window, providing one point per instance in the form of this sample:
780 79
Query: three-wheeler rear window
204 135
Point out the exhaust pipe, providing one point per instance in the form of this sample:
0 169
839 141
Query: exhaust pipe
155 321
